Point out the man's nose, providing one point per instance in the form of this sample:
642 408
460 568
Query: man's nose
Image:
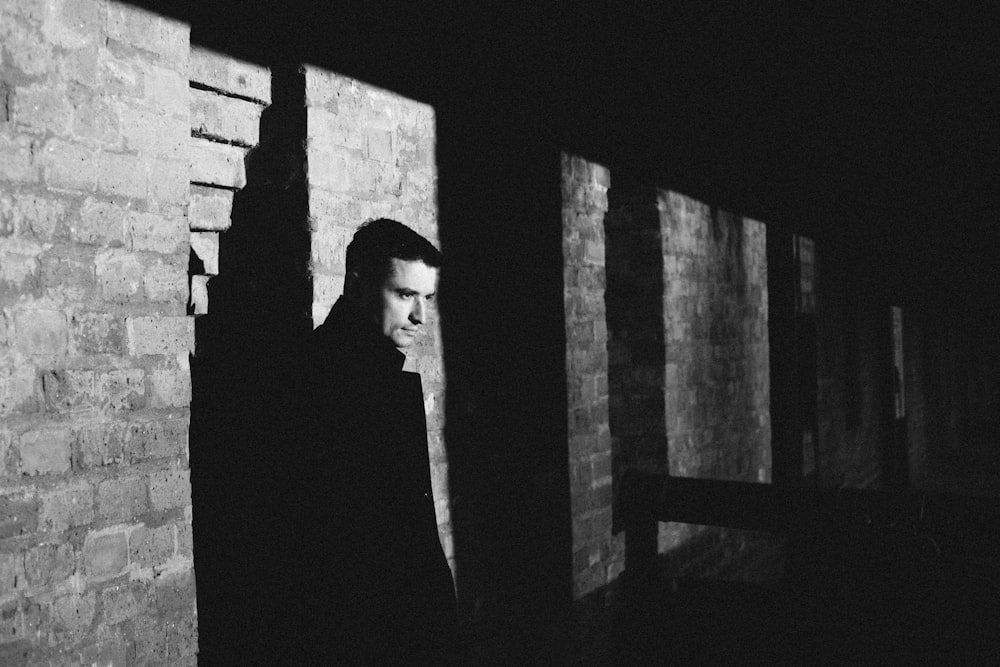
419 312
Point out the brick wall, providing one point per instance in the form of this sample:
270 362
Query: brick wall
598 556
371 155
850 354
96 560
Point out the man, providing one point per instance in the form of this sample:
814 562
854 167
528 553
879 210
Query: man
373 578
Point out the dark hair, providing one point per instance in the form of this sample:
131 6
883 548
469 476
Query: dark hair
377 242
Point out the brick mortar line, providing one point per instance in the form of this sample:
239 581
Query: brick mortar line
225 93
217 139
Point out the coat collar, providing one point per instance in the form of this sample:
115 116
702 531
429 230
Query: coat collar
347 328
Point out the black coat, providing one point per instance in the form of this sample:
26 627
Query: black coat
370 574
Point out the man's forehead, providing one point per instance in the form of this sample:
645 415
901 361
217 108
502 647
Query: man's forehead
412 270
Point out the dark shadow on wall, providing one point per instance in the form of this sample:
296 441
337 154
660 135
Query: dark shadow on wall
259 307
503 330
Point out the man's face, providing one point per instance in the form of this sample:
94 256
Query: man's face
402 302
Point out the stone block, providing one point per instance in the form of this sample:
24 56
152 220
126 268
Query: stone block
150 32
224 118
42 108
73 616
49 563
120 389
160 335
153 134
121 175
68 391
199 295
97 333
166 282
165 234
210 209
95 119
119 275
170 489
42 333
39 216
171 388
206 246
174 592
67 277
18 514
67 506
17 161
157 439
45 451
167 181
120 602
101 444
151 547
223 72
216 164
71 166
105 554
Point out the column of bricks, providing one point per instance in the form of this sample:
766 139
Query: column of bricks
227 98
96 562
598 556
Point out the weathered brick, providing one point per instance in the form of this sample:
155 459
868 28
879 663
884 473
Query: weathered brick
216 164
18 514
42 108
167 90
49 563
160 335
69 505
164 234
220 117
68 391
169 489
105 554
30 213
67 277
121 77
174 592
12 578
206 246
19 263
185 540
17 160
19 390
151 547
121 175
149 31
170 388
157 439
97 333
210 209
150 132
45 451
167 182
199 295
166 282
101 444
73 615
111 652
42 333
95 117
99 223
120 602
223 72
119 275
121 389
72 166
73 25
